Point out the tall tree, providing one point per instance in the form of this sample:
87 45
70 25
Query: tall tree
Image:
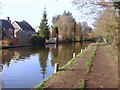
87 32
107 26
66 27
44 28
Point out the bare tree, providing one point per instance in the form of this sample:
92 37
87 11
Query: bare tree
66 26
91 9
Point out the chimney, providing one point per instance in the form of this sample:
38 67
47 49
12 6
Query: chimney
8 18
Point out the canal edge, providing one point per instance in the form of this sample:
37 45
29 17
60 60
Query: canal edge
69 64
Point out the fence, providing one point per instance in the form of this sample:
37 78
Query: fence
9 41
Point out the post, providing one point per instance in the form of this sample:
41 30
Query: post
56 67
73 55
81 50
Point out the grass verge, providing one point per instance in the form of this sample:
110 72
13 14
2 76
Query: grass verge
88 64
71 62
40 86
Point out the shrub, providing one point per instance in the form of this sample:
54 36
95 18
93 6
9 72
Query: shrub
37 40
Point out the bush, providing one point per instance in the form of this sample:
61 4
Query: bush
37 40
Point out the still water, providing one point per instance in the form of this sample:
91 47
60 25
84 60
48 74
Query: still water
26 67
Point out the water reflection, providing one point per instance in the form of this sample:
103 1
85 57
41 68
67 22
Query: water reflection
34 63
15 54
43 55
62 53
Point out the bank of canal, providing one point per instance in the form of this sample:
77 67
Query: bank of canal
73 73
26 67
92 68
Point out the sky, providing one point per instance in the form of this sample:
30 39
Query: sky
32 10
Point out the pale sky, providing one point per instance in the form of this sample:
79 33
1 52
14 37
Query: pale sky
32 10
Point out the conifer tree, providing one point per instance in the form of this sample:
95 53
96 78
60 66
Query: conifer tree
44 28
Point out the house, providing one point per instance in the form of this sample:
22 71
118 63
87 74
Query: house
6 32
7 29
23 31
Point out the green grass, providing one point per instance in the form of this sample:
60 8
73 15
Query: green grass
82 84
71 62
41 85
88 64
80 54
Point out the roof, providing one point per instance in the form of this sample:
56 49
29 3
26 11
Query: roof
6 24
25 25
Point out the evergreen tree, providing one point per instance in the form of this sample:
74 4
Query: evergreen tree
43 28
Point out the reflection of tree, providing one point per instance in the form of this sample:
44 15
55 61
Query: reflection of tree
43 55
54 51
77 47
64 53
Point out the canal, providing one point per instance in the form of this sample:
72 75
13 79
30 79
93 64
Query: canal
26 67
